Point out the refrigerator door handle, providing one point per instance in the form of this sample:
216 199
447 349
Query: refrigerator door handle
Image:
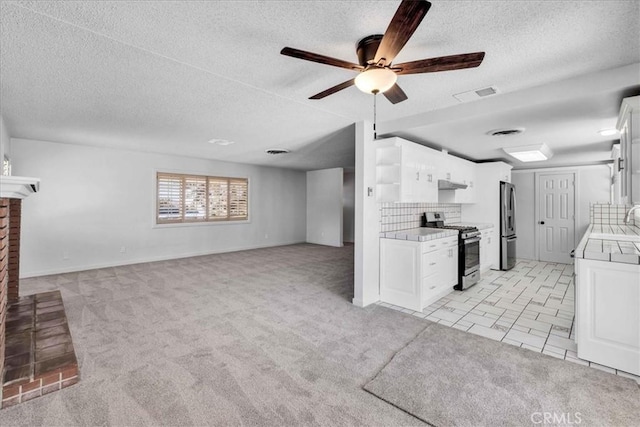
503 223
513 212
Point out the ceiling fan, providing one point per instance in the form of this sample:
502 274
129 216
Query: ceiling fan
376 53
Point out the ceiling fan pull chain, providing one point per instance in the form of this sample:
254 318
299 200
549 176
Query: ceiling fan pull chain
375 135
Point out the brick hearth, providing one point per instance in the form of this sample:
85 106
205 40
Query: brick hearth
40 357
36 351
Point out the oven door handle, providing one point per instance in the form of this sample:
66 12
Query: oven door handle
473 240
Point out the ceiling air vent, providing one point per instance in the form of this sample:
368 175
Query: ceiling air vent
505 132
476 94
276 151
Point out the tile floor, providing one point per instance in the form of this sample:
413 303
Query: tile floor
530 306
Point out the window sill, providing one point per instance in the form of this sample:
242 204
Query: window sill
200 224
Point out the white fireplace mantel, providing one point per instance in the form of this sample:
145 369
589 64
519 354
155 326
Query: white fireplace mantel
18 187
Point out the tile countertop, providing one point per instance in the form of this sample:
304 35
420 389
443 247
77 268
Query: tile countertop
610 249
421 234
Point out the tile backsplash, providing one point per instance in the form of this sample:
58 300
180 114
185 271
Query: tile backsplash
403 216
604 213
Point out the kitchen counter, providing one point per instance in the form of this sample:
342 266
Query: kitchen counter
421 234
615 243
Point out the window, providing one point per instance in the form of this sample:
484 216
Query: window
198 198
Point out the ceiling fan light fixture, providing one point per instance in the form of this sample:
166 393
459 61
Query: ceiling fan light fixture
608 132
530 153
376 80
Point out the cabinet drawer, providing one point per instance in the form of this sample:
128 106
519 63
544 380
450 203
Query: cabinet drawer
430 285
447 242
429 263
437 244
430 246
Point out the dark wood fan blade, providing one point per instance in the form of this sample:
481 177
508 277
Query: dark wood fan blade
395 94
442 63
315 57
334 89
402 26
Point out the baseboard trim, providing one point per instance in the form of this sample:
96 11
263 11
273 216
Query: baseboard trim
361 303
147 260
357 302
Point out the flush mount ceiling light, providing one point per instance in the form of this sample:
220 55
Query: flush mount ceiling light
221 142
530 153
608 132
376 80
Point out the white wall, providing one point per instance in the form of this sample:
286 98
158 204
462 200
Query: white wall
348 206
94 201
5 142
593 185
525 214
324 206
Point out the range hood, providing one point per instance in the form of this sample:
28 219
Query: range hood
444 184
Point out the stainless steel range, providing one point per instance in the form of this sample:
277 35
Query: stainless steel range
468 248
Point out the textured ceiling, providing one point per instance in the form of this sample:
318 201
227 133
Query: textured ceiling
169 76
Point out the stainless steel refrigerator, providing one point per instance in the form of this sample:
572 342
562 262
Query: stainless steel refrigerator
507 226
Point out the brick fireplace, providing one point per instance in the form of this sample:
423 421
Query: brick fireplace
36 351
4 271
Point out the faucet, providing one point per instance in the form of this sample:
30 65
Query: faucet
627 217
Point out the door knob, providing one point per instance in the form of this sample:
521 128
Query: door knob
541 222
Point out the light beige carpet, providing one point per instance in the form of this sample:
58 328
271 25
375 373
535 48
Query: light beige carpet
265 337
448 377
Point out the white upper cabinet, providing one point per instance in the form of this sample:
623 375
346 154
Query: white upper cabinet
629 127
409 172
405 172
461 171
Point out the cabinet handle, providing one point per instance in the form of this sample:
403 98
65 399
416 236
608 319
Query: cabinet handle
432 263
432 287
448 175
471 184
620 164
430 177
417 176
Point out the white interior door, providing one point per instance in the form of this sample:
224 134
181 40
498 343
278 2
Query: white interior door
556 216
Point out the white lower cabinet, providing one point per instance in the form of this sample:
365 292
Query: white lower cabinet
414 275
608 313
487 245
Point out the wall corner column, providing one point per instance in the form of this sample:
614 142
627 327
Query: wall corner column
367 241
